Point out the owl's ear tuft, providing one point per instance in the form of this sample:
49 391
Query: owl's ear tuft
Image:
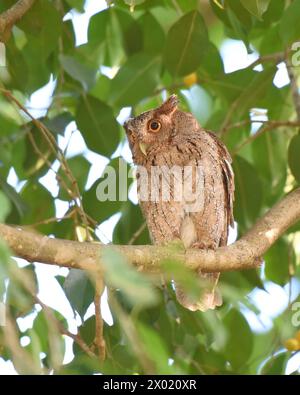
169 106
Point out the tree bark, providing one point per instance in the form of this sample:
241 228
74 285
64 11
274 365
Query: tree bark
245 253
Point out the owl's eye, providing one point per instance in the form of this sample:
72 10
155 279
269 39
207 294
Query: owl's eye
154 126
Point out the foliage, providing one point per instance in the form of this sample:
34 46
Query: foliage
150 48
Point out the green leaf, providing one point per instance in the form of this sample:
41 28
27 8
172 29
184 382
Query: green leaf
186 42
5 206
130 223
5 264
20 300
231 85
6 154
133 3
79 291
79 71
155 349
102 31
274 11
102 88
239 29
186 6
16 66
236 8
158 316
294 157
256 7
270 158
80 168
59 123
271 41
119 274
68 38
136 79
77 4
257 89
277 261
102 207
82 364
65 229
13 197
289 26
33 194
211 63
30 65
185 277
211 361
113 32
7 126
98 125
275 365
87 333
33 153
153 34
248 196
50 340
239 342
43 24
235 286
40 327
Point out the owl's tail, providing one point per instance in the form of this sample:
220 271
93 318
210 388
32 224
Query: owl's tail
210 296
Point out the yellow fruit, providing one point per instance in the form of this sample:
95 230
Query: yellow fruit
292 344
297 336
190 80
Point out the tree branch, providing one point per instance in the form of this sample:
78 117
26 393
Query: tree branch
9 17
245 253
268 125
273 57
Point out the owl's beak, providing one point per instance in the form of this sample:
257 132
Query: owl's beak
129 129
143 148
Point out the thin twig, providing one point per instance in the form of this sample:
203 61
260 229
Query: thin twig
137 233
78 340
269 125
99 339
277 57
227 119
49 220
76 337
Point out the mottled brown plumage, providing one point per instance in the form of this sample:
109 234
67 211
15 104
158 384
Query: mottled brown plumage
166 137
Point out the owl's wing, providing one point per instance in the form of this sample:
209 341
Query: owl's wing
225 163
217 191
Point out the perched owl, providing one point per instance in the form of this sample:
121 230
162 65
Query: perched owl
165 140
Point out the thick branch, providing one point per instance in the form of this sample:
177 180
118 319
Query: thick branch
9 17
243 254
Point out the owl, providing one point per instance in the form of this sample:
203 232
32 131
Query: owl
184 157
